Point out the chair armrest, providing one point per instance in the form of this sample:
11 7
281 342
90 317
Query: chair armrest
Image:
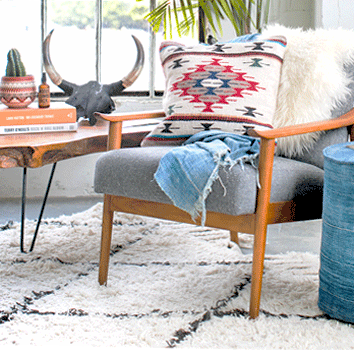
336 123
116 124
266 157
121 117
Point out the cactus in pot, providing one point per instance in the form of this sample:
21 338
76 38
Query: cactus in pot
17 89
15 67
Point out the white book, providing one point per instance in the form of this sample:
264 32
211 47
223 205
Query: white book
37 128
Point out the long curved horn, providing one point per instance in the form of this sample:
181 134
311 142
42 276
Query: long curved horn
49 67
115 88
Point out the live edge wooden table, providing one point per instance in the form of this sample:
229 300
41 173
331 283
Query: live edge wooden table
37 150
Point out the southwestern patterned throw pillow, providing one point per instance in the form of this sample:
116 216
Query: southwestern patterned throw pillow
229 87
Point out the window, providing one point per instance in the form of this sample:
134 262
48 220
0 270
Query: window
91 39
19 25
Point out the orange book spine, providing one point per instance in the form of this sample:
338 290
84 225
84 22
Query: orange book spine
55 114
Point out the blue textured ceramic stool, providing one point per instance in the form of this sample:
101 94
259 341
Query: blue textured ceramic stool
336 292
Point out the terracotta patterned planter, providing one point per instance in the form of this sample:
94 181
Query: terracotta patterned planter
18 92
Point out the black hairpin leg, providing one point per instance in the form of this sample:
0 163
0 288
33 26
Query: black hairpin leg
23 208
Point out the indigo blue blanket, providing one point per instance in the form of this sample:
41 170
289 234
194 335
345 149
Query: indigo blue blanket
186 173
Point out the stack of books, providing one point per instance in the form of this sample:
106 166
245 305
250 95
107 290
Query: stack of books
59 117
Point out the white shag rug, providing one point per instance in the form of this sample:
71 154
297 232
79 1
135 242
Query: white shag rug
169 284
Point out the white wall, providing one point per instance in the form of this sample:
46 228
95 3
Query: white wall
73 178
335 14
313 13
292 13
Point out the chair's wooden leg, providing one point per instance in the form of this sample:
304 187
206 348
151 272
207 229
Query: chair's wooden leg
234 237
106 237
257 270
265 178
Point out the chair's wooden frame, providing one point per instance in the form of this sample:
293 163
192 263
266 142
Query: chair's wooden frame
266 212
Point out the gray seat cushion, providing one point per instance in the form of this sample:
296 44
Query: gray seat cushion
130 173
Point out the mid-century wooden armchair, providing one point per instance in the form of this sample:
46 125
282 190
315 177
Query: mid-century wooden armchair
290 190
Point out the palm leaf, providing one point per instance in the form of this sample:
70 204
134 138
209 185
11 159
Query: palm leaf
184 18
182 15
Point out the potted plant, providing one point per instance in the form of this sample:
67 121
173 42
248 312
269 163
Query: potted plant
246 16
17 89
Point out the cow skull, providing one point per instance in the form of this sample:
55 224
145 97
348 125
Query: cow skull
92 97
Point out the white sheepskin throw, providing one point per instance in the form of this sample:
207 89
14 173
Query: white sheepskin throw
313 81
